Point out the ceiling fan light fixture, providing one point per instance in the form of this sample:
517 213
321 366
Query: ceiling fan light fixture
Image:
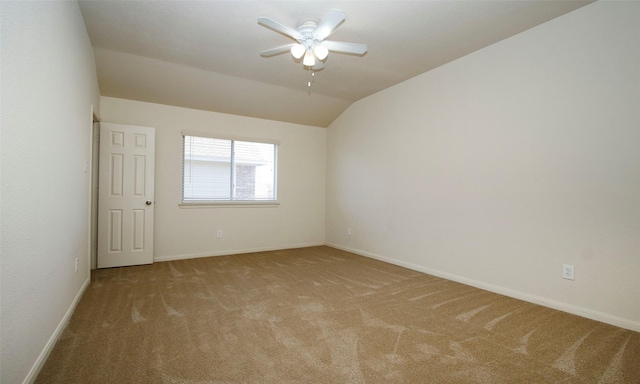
309 60
320 51
298 51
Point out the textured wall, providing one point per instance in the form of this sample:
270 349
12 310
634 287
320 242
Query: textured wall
190 232
48 86
500 167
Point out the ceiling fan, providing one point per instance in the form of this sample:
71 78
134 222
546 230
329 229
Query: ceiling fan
311 45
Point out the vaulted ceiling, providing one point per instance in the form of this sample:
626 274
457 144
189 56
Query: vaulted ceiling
206 54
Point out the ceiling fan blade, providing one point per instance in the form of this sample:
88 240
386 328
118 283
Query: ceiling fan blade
342 47
277 50
331 21
275 26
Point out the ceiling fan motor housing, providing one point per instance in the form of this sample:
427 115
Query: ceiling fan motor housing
307 30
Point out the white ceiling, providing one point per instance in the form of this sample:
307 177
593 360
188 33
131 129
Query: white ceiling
205 54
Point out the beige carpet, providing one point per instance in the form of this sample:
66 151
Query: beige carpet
321 315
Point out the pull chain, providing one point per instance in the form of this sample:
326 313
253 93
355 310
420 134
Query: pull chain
311 80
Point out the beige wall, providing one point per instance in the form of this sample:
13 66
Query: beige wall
190 232
500 167
49 84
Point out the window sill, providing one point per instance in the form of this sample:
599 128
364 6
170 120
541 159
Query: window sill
225 204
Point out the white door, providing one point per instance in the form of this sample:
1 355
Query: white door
126 197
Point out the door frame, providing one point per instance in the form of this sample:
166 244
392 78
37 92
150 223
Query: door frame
94 157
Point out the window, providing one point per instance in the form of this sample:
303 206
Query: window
217 170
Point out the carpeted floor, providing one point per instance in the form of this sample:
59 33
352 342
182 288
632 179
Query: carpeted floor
321 315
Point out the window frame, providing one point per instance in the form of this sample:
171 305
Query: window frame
230 202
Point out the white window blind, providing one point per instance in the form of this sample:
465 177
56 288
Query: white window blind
228 170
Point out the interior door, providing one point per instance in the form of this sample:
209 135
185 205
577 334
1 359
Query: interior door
126 195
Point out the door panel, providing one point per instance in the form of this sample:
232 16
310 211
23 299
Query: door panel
126 195
115 230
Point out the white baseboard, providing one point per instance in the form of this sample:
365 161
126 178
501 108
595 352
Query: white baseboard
46 351
232 252
569 308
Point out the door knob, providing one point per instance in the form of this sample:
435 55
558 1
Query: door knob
148 202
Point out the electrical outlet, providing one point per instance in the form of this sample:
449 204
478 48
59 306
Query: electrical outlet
348 231
76 265
568 272
219 233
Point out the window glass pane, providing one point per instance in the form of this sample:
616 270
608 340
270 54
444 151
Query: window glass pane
207 168
254 171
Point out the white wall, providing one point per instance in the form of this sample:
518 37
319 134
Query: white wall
49 84
190 232
500 167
